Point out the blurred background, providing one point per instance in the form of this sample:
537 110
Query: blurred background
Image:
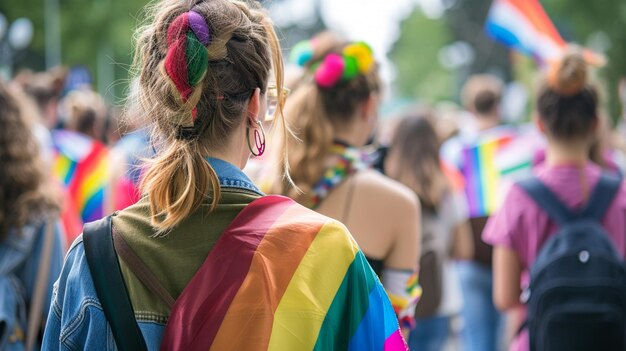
427 47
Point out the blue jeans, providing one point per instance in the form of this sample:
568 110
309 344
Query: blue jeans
430 334
483 323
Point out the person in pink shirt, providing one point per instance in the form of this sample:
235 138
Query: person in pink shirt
567 108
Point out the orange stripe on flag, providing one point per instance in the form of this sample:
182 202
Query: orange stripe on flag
537 16
248 321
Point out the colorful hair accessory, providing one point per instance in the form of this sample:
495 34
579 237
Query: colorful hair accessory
330 71
355 59
363 55
302 53
187 58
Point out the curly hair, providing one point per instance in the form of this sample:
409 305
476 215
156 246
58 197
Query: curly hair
23 194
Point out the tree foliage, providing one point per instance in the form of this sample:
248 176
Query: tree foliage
89 29
582 20
415 55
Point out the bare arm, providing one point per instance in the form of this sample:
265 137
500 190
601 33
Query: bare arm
405 219
462 244
507 271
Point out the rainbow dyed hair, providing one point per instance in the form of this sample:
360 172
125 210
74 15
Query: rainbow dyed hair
356 58
187 58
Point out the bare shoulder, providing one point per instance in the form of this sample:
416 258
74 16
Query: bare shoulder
387 191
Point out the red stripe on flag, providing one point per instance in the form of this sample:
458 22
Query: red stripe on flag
215 285
83 169
536 15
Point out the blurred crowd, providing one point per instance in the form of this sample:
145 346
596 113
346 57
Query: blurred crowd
428 187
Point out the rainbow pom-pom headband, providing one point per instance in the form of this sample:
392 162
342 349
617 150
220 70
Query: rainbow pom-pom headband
356 58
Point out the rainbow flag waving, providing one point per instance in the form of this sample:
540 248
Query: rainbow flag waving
283 277
81 164
524 26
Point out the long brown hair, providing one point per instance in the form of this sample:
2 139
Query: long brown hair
241 54
24 195
416 148
314 114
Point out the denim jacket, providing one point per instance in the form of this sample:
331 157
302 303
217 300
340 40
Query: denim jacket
20 255
76 320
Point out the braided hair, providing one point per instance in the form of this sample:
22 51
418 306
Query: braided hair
198 64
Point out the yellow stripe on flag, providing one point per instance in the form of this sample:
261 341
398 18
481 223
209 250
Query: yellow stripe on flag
301 312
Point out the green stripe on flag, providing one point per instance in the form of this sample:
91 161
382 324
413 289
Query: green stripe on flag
348 307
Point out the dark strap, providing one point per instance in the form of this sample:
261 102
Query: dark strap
602 197
547 200
141 271
522 327
41 286
110 287
599 201
347 206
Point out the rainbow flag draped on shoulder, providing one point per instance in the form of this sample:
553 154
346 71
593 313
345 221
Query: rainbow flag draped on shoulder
81 164
283 277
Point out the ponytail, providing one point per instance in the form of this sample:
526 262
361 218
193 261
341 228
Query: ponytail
314 130
177 183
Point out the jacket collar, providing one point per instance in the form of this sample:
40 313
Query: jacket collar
230 176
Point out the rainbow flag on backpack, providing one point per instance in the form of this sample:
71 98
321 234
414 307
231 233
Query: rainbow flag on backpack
283 277
81 164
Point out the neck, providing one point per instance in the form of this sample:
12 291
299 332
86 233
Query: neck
487 122
235 151
575 153
352 135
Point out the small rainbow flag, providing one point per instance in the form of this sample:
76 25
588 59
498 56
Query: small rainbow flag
524 25
283 277
482 177
81 164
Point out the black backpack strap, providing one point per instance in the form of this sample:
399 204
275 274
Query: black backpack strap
602 197
110 286
547 200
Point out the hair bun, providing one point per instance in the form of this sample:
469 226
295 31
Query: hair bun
568 76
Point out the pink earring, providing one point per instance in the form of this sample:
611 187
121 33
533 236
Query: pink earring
259 140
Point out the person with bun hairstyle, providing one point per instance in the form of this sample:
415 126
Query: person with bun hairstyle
334 116
204 260
567 113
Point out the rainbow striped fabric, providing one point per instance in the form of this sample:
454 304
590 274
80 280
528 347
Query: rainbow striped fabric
81 164
482 177
524 25
283 277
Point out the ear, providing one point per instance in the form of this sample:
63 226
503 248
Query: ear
539 124
595 126
254 107
369 108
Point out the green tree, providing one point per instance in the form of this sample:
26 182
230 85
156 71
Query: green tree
95 33
581 20
415 55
